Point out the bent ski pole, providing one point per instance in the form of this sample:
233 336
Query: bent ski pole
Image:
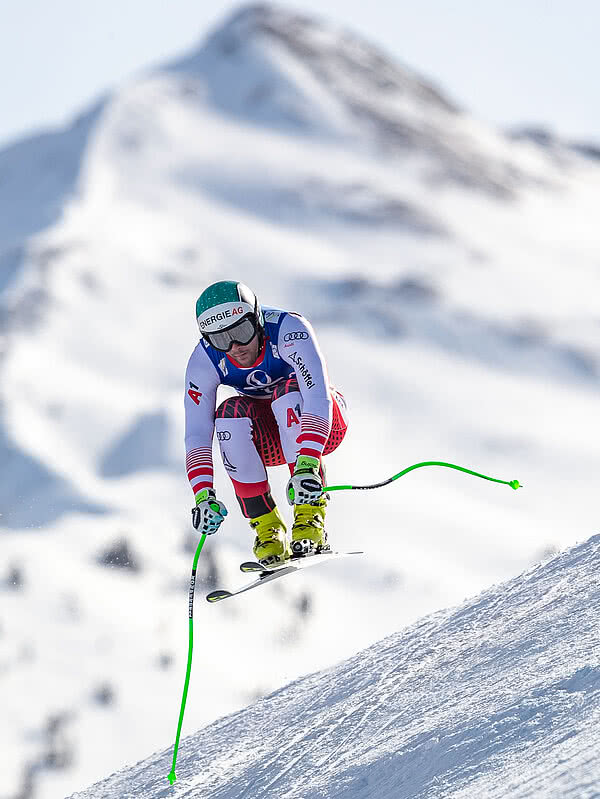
512 483
172 777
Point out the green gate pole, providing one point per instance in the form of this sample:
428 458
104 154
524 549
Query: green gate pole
172 776
512 483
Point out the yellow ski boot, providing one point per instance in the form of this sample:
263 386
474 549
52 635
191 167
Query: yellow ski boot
270 545
308 532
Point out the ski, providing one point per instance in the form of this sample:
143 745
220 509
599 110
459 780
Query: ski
268 574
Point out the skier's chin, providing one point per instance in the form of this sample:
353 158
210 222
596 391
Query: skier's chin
244 357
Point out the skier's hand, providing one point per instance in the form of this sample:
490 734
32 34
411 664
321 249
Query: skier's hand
208 513
305 485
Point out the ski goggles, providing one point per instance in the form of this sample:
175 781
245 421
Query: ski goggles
242 332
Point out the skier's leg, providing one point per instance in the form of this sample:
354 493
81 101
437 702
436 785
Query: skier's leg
287 407
339 422
308 532
248 442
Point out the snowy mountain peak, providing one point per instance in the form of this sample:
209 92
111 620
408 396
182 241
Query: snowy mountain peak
331 52
272 67
282 66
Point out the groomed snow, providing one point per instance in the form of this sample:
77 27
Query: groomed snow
499 697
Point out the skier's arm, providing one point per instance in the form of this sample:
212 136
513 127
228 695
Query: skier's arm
298 346
201 382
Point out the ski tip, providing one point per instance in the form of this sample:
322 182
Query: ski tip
251 566
172 777
217 596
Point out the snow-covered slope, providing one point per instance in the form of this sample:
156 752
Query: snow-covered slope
499 697
451 273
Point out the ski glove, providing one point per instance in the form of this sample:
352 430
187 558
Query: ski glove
208 513
305 485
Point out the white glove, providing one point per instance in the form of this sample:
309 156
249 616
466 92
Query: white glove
208 513
305 485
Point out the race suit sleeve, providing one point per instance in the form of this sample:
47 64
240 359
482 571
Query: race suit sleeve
201 383
298 346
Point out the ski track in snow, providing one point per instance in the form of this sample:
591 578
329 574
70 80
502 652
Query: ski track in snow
497 698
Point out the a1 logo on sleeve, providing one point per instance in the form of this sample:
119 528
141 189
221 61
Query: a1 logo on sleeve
292 418
194 393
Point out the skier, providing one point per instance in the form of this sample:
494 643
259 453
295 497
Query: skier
285 412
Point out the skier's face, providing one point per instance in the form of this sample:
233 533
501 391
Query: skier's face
245 354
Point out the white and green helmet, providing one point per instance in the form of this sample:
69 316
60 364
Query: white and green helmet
228 312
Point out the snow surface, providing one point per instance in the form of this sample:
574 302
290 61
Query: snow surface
452 276
499 697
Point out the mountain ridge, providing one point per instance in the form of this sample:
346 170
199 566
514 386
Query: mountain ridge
360 93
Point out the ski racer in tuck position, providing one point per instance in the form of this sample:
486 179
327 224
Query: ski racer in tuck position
285 412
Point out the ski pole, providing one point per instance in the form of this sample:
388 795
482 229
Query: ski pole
172 776
512 483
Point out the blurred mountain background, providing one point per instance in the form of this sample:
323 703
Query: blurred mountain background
451 270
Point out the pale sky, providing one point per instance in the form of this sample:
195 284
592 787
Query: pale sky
507 61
